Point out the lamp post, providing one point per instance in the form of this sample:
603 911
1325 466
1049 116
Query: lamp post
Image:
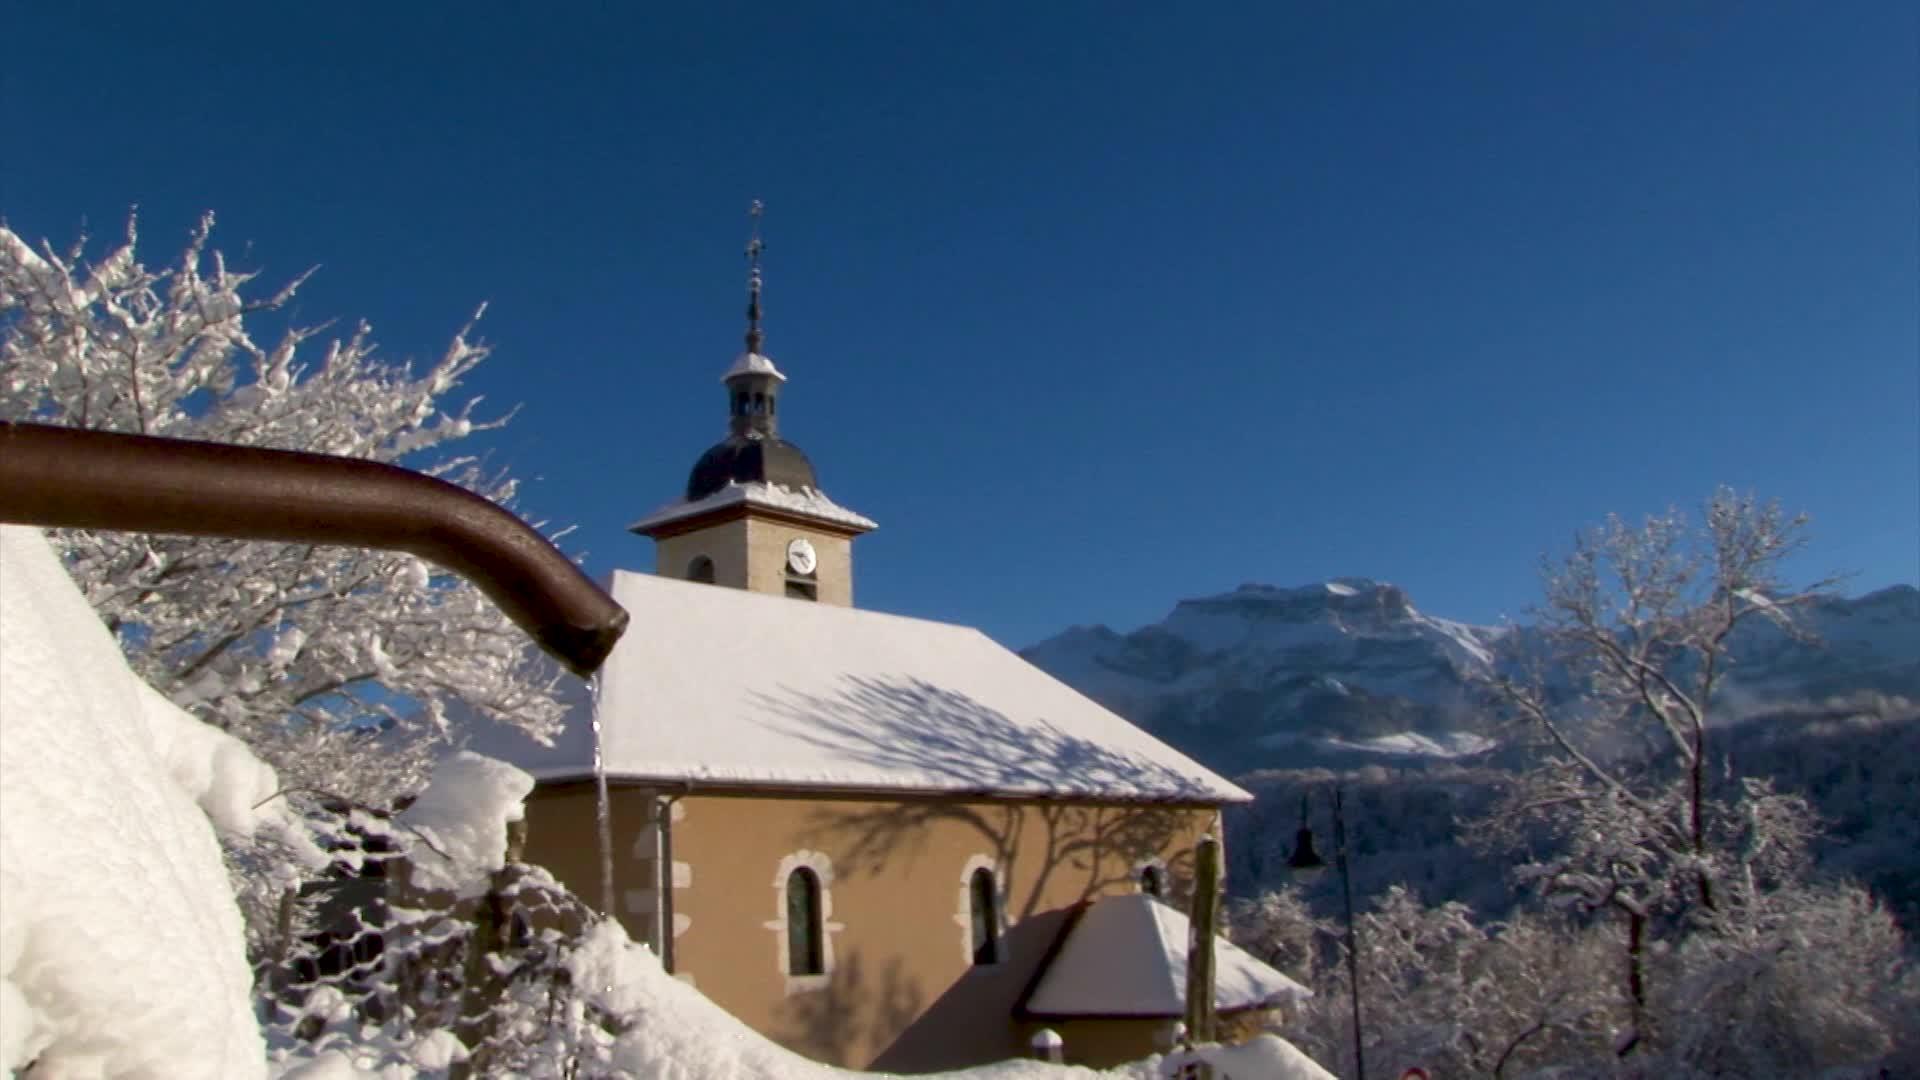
1306 865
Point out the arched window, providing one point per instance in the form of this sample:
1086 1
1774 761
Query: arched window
985 908
740 404
806 954
1153 880
700 569
803 925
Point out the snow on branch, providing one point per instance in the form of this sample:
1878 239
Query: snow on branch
338 666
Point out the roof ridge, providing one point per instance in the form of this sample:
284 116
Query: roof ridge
839 610
1162 930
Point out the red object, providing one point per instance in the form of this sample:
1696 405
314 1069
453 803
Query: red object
1415 1073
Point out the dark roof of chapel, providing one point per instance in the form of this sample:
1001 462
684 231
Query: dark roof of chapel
747 459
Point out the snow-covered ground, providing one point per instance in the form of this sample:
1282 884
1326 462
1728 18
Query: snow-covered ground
121 948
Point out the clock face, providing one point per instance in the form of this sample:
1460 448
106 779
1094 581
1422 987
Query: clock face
800 556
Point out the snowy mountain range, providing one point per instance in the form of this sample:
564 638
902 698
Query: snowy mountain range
1349 671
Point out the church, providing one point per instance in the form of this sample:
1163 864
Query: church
886 843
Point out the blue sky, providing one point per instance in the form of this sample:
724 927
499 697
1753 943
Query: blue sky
1092 306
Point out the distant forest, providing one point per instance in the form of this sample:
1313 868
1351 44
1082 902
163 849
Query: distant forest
1856 758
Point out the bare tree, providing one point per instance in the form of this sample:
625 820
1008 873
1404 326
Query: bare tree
1620 683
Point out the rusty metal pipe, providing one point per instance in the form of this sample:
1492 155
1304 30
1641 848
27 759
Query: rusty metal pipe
68 478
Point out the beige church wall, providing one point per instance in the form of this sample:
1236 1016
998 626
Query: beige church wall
563 837
750 552
725 544
766 553
901 992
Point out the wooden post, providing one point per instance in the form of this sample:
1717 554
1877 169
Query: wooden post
483 986
1203 920
280 969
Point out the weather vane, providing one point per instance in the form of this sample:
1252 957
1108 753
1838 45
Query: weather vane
754 247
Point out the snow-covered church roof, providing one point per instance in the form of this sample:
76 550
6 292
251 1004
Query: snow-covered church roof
726 686
808 502
1127 956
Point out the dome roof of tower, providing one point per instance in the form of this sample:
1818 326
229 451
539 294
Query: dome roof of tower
750 459
752 363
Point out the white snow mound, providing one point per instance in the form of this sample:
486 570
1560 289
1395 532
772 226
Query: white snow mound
1268 1057
463 814
121 950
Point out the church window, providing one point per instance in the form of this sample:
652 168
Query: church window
805 952
980 915
701 570
802 589
803 927
984 911
740 404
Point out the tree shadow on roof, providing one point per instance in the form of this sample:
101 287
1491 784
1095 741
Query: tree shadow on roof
948 739
1063 817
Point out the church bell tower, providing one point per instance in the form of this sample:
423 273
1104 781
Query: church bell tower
753 516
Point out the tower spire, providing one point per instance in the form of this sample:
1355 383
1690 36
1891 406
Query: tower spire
755 338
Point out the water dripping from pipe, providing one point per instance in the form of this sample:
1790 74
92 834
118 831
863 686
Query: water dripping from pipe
603 805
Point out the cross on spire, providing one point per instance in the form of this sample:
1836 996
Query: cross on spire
755 338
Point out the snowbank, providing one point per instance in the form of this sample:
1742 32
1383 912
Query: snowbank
463 814
121 948
678 1034
1268 1057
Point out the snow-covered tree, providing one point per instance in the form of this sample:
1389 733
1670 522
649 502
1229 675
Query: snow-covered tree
1801 981
1442 991
1278 927
1623 816
337 665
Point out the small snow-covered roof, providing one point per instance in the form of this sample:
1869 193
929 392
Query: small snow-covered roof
808 502
752 363
1127 956
719 685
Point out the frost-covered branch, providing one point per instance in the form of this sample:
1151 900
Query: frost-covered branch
1638 623
263 640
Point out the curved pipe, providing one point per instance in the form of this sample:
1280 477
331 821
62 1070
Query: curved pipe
69 478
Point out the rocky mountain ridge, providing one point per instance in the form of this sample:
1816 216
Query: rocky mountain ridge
1350 670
